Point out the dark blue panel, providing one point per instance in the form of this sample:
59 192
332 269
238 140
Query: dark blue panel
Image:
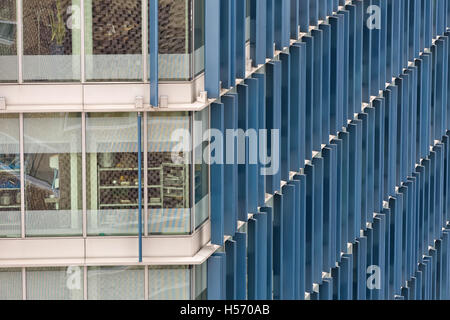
318 219
243 102
285 115
288 264
317 90
258 16
278 292
216 275
241 265
231 282
309 225
230 169
217 180
241 15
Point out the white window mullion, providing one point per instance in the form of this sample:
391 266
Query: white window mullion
22 176
145 174
82 53
83 172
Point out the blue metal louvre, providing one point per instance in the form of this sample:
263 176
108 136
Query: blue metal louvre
262 219
288 263
252 146
285 115
326 66
282 23
240 38
270 28
326 289
231 269
261 146
368 234
212 47
278 243
346 277
296 142
359 251
336 144
304 15
353 226
375 84
383 44
379 154
335 275
227 55
273 124
318 164
322 9
241 265
334 76
367 59
345 38
300 233
328 239
364 174
217 180
269 241
344 207
242 155
216 276
314 12
253 260
370 181
309 96
317 90
309 227
352 106
230 168
294 18
258 26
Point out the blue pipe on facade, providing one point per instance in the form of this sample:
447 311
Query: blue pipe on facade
140 183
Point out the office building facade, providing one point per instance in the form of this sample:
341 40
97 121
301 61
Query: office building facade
224 149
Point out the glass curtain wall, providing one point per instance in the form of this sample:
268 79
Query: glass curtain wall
175 44
199 36
55 283
201 166
201 281
169 173
113 40
8 36
11 284
10 197
169 283
53 186
112 173
51 40
116 283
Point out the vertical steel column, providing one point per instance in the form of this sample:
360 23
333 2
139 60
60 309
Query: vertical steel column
153 54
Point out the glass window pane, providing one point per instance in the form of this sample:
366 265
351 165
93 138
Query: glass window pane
201 281
169 283
9 176
51 40
11 284
175 45
168 173
199 36
64 283
116 283
53 195
113 40
112 173
8 48
201 192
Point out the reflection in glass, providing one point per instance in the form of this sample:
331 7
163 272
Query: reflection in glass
168 174
65 283
113 40
53 187
8 48
9 176
169 283
201 174
201 281
112 173
11 284
116 283
199 36
51 40
175 45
